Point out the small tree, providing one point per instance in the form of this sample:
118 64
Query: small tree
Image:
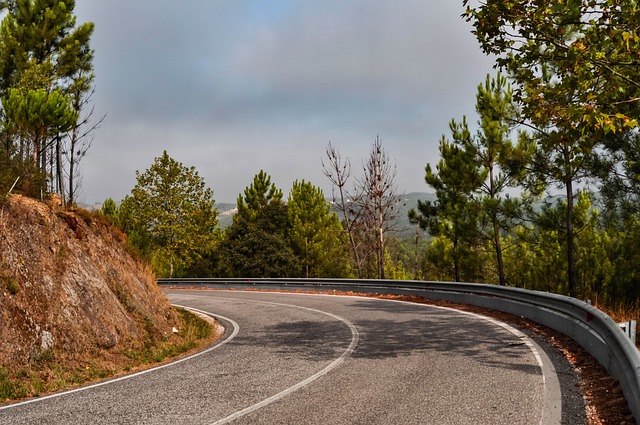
257 242
345 201
501 162
453 215
316 233
111 211
172 212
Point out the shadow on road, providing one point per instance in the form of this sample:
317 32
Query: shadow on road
393 330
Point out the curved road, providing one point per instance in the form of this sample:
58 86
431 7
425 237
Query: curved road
313 359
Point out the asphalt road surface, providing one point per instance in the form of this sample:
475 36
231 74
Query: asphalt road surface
316 359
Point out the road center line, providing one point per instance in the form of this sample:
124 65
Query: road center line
355 336
552 397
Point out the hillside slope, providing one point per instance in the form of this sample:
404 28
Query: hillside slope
69 292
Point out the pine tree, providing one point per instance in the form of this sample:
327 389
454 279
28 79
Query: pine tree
257 196
316 232
45 68
501 162
257 243
453 214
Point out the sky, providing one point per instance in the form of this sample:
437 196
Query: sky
233 87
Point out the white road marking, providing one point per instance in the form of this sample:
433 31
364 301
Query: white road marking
552 402
236 329
551 409
355 336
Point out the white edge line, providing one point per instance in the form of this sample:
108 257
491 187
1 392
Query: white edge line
236 329
552 403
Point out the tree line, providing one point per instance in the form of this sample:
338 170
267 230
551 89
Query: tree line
572 110
171 221
541 192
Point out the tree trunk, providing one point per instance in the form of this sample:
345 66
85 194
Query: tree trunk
416 260
350 230
496 228
571 260
456 265
380 253
59 171
72 163
498 247
306 257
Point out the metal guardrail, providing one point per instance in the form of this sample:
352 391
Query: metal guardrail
595 331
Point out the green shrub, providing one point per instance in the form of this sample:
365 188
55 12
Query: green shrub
10 284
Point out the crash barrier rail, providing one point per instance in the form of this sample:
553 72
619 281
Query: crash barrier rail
595 331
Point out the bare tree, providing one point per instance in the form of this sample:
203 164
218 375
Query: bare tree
339 172
380 201
370 208
80 140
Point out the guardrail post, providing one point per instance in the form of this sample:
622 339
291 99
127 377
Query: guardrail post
629 329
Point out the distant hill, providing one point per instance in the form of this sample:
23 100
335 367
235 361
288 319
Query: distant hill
404 228
409 201
226 210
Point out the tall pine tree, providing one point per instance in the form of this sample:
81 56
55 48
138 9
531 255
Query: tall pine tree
45 68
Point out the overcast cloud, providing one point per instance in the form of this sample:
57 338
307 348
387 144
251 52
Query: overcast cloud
235 86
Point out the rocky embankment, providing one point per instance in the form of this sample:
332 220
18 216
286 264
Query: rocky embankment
70 292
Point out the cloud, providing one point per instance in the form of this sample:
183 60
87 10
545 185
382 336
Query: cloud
235 87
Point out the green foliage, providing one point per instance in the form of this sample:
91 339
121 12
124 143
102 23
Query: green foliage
192 332
10 284
619 172
502 164
46 73
111 211
170 215
589 47
260 247
8 388
257 196
317 236
257 244
458 176
575 66
37 114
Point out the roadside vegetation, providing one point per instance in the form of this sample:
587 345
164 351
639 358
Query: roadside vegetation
53 370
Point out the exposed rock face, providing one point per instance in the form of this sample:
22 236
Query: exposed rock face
68 285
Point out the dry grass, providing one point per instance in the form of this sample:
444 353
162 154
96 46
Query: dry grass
81 307
53 370
621 313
